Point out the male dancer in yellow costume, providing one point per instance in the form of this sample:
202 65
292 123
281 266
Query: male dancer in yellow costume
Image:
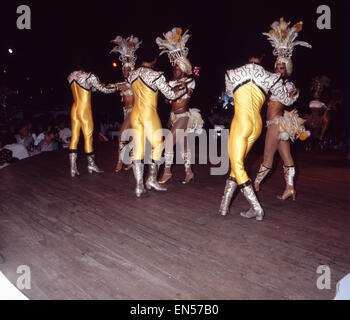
248 85
82 83
145 83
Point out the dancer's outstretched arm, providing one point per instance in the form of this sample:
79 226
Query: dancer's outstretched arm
98 85
279 91
167 91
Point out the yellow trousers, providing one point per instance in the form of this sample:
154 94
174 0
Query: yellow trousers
145 121
245 128
81 118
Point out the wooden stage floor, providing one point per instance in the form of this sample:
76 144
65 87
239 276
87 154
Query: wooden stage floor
90 238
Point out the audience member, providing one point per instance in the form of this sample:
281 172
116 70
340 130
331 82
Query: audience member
24 137
49 143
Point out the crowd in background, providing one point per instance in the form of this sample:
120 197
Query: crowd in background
21 139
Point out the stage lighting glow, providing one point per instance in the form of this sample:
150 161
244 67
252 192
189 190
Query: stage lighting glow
10 51
114 64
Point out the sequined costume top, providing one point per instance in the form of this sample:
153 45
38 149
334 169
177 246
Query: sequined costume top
264 80
155 81
90 82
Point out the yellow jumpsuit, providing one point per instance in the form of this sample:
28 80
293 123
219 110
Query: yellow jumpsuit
144 118
245 128
248 85
81 118
82 83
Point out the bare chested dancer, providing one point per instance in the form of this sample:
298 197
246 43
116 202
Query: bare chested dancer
128 100
182 118
274 143
281 37
179 120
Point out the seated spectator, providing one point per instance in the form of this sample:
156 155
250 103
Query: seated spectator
41 136
19 151
49 143
24 137
64 134
31 131
5 156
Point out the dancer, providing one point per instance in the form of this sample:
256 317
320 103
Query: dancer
145 83
281 128
248 85
319 118
126 48
82 83
181 117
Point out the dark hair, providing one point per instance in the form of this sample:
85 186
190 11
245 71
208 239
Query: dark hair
53 132
83 61
147 52
256 53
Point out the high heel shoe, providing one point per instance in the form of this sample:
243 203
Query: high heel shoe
165 178
189 177
288 193
127 168
289 173
118 167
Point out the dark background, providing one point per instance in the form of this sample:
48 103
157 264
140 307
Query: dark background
223 34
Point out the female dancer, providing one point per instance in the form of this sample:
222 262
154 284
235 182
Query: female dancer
181 117
126 48
277 136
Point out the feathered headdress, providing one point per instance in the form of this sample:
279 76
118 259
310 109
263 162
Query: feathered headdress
126 48
282 39
174 44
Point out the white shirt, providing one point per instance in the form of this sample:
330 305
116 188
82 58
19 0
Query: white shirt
65 134
40 138
19 151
